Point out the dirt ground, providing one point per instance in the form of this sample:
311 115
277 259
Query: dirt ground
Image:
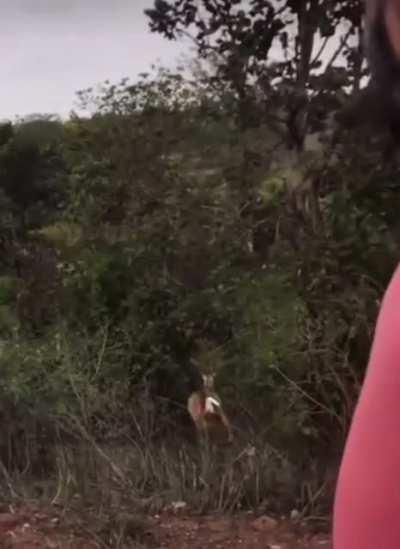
31 527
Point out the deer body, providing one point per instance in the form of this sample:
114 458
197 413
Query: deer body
205 409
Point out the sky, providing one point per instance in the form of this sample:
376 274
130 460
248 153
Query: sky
52 48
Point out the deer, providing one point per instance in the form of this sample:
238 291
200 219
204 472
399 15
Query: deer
205 409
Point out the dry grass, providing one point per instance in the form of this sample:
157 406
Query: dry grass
118 479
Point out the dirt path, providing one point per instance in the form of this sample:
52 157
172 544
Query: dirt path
51 528
241 531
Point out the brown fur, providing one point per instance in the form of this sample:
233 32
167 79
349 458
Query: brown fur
211 424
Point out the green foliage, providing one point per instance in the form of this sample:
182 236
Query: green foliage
31 171
7 289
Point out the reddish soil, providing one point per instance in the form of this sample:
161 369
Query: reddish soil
52 528
28 528
244 531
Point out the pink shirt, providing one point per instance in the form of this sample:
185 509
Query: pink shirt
367 505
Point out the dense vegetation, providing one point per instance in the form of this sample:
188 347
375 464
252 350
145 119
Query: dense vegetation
237 215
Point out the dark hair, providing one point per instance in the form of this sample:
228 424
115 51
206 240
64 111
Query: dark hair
384 66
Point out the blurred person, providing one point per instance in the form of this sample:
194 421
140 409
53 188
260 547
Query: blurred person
367 502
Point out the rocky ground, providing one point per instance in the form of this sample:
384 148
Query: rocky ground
30 526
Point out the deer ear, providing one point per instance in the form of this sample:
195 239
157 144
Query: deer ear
391 17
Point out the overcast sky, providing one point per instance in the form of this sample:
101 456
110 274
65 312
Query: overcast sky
52 48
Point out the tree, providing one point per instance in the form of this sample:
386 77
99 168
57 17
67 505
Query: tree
31 169
273 57
276 48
